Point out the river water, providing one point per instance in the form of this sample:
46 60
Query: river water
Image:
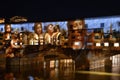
33 72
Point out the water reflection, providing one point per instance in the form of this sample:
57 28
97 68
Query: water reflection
9 76
34 72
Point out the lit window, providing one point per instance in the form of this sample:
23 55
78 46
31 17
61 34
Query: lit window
20 43
98 44
52 64
106 44
77 43
15 43
116 44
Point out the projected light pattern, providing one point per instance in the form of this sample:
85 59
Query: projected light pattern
104 22
93 30
1 27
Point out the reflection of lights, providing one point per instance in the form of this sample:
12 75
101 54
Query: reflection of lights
116 44
98 73
98 44
114 59
57 63
44 64
30 77
106 44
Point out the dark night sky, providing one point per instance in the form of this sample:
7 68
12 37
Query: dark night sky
59 10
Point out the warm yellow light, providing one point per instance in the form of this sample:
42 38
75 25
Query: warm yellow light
2 20
98 44
41 43
116 44
15 43
77 43
106 44
52 64
21 43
